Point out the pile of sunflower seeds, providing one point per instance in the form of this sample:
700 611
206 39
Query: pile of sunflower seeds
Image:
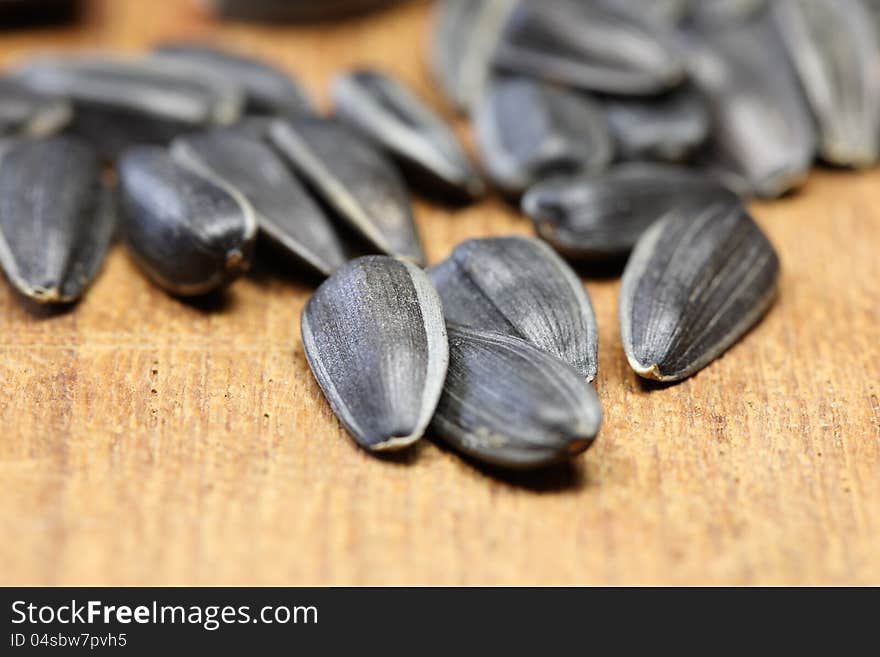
625 130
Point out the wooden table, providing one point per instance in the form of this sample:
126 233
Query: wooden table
148 441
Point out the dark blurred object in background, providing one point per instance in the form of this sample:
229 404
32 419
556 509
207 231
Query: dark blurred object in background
29 13
292 10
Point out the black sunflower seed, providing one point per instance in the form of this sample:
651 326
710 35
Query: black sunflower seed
56 217
121 102
24 112
376 342
464 36
667 128
602 217
724 12
668 12
507 403
590 46
764 139
397 120
697 281
528 130
519 286
285 211
834 46
354 179
267 90
190 233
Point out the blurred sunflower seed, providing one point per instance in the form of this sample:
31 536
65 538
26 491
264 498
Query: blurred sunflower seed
267 90
24 112
519 286
833 44
602 217
123 102
424 146
375 339
509 404
528 130
354 179
56 217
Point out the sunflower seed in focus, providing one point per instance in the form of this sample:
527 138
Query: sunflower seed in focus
56 218
375 339
267 90
397 120
602 217
696 282
520 287
24 112
667 128
589 46
189 232
528 130
285 212
764 139
123 102
464 36
354 179
509 404
833 44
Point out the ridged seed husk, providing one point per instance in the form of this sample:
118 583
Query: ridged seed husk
602 217
667 128
120 102
424 146
589 46
528 130
56 217
520 287
697 281
375 339
463 40
509 404
27 113
720 13
189 232
353 178
285 211
764 139
834 46
267 90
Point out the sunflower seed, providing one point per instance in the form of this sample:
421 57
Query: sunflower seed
724 12
56 218
507 403
375 339
528 130
764 140
354 179
668 12
120 102
833 44
285 212
292 10
465 34
190 233
24 112
519 286
267 90
397 120
697 281
666 128
589 46
602 217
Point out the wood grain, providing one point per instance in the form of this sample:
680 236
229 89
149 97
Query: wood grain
147 441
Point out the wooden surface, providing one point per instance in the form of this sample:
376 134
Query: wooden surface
146 441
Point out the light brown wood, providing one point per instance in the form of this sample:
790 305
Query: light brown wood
147 441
